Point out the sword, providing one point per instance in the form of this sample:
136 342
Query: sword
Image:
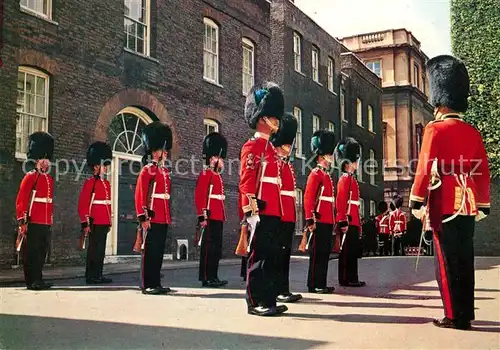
145 232
309 240
422 234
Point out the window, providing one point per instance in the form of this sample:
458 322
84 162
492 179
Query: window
375 67
360 165
32 106
361 208
331 72
137 26
416 75
297 50
210 126
331 126
297 112
316 122
248 65
373 208
423 83
359 112
342 105
299 209
372 167
370 118
315 64
41 7
211 51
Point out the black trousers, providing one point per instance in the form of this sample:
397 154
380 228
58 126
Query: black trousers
320 246
348 258
211 251
454 262
262 261
399 248
243 269
385 248
96 251
152 256
35 249
285 238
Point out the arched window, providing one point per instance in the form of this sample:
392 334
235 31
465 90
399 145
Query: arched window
211 51
125 131
248 65
210 126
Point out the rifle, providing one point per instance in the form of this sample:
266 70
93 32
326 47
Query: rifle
304 243
21 235
140 239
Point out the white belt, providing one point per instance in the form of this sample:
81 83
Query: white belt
288 193
353 202
383 225
271 180
327 199
220 197
104 202
165 196
42 200
398 222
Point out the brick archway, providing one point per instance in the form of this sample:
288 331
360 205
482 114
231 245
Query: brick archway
134 98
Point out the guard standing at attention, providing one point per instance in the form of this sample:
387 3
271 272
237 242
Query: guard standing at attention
397 226
382 223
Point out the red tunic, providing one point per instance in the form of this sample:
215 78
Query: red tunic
157 177
214 203
397 221
95 201
265 187
318 197
382 224
347 202
288 192
34 199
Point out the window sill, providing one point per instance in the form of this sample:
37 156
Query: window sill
345 121
299 72
149 58
38 15
317 82
212 82
21 157
372 132
333 92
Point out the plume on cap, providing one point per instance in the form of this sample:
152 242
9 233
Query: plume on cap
323 142
264 100
214 144
348 150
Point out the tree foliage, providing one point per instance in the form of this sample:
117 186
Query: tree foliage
475 37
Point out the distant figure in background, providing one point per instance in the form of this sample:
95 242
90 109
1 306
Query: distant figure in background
382 225
397 225
370 237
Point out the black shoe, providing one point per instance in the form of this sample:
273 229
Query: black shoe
288 298
326 290
262 311
281 309
46 285
212 284
94 281
35 286
463 325
221 282
151 291
444 323
354 284
164 290
105 280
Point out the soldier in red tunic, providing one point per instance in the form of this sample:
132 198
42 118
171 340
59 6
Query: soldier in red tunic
319 202
283 141
397 225
152 203
453 174
347 203
260 197
34 210
94 208
209 201
382 224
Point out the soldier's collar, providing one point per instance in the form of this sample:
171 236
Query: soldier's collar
319 166
261 135
454 115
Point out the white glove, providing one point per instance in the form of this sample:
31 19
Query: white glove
419 213
480 216
253 221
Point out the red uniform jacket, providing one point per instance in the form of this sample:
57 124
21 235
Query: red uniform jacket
397 222
215 203
265 188
157 201
382 224
288 192
319 198
34 199
95 202
347 202
462 165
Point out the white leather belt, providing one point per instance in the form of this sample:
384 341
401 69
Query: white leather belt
383 225
220 197
271 180
354 202
288 193
398 222
327 199
42 200
164 196
104 202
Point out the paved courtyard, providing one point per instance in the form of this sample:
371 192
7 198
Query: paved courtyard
393 311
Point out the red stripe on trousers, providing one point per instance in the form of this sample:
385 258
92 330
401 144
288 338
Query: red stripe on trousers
448 309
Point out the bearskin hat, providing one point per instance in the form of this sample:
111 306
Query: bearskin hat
382 207
287 131
214 144
323 142
348 150
397 201
99 153
40 146
264 100
156 136
448 82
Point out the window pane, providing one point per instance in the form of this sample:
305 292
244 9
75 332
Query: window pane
40 106
30 83
40 86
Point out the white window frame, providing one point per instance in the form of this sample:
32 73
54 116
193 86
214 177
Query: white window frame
370 118
147 31
372 167
38 4
206 52
359 112
331 126
331 73
361 208
316 122
22 115
371 66
373 208
299 210
315 64
360 165
210 123
248 77
297 112
416 74
342 105
297 52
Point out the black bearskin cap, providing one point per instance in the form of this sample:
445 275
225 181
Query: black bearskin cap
156 136
40 146
347 150
382 207
214 144
264 100
448 82
99 153
397 201
323 142
287 131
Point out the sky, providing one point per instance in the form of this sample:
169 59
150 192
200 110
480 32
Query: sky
428 20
